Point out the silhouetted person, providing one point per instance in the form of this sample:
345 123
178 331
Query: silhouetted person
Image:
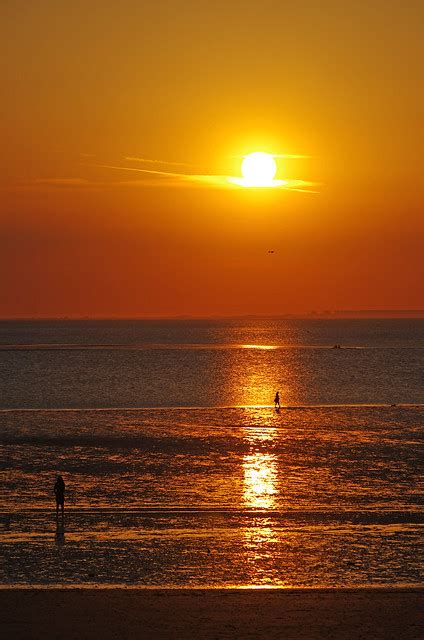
59 492
277 400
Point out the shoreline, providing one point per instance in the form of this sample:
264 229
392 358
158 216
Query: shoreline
401 588
345 613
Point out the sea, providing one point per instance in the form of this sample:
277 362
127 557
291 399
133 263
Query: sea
179 470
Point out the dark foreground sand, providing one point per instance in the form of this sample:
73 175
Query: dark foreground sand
161 613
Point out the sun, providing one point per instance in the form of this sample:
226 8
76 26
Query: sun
258 169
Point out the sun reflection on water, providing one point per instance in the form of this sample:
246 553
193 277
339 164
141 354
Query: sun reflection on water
264 347
260 474
260 466
260 493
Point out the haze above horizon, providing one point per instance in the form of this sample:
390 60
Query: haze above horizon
124 131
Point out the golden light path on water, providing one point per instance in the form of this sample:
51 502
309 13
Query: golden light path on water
260 474
260 489
263 347
262 481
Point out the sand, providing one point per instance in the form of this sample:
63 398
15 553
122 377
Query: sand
370 614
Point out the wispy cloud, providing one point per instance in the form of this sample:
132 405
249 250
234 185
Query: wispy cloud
292 156
151 171
170 177
218 181
161 162
60 182
158 176
51 183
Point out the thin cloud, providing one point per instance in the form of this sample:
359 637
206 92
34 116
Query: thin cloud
162 162
158 178
304 190
173 177
289 155
52 183
152 171
69 182
293 156
56 183
212 180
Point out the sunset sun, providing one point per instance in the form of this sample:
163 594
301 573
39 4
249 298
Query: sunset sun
258 169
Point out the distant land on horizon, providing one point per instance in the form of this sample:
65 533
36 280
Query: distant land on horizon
326 314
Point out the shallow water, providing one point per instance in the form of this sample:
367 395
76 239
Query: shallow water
187 363
209 495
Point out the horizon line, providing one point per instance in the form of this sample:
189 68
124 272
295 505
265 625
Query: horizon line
390 313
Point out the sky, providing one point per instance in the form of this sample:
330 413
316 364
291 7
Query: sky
121 123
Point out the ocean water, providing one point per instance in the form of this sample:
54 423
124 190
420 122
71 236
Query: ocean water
180 472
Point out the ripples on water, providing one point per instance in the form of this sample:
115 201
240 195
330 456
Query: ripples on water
209 495
213 496
156 364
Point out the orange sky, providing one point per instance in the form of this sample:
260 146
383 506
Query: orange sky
87 85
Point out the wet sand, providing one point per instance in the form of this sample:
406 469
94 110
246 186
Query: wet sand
371 614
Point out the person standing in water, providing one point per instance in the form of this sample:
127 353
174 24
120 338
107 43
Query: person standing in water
59 491
277 400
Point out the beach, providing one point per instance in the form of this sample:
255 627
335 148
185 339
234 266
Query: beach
339 614
207 512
